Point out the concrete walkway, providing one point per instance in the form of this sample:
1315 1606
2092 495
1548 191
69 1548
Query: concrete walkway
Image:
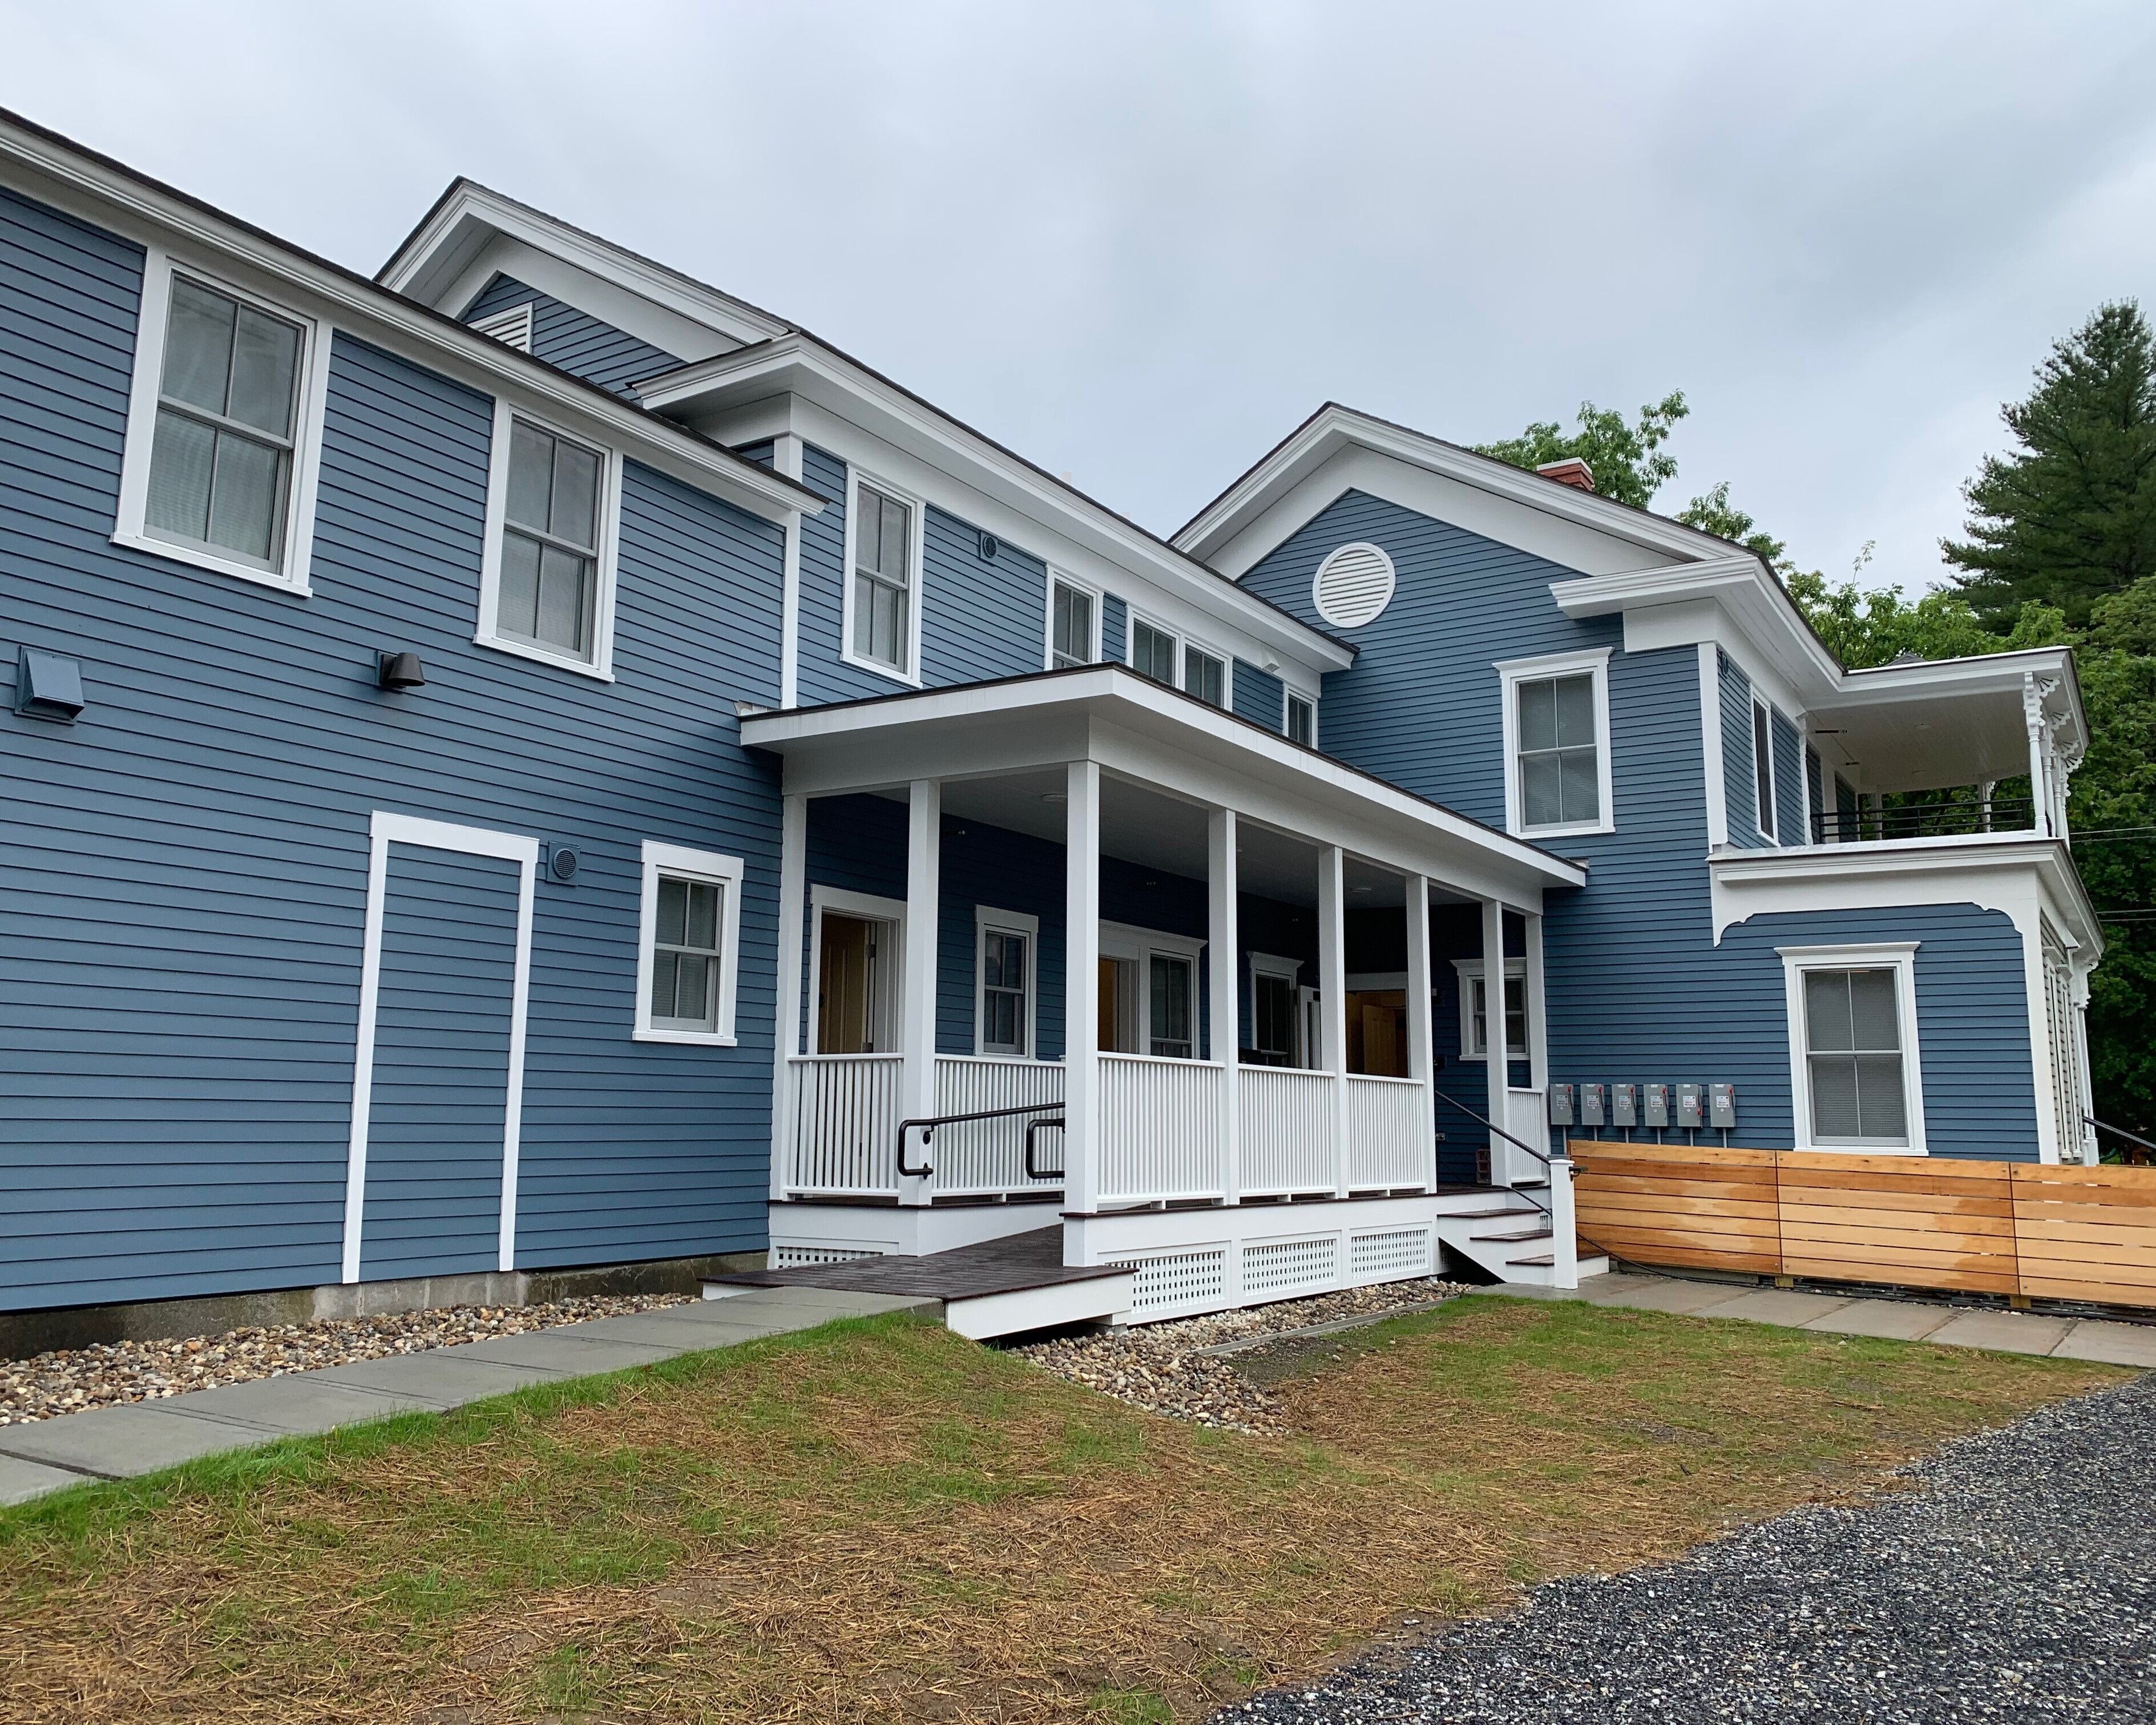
2117 1344
141 1437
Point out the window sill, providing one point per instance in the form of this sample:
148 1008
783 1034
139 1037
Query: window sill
1575 829
203 559
688 1038
1855 1149
540 655
876 668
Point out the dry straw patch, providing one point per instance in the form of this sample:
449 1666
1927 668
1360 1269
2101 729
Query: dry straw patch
883 1522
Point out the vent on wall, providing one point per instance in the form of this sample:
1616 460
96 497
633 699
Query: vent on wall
1354 586
512 327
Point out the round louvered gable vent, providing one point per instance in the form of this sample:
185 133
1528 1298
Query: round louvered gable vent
1354 586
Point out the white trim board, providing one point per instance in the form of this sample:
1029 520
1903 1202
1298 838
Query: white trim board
1901 958
383 830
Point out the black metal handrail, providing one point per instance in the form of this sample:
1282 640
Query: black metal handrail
2119 1132
1493 1127
1033 1173
929 1124
1924 820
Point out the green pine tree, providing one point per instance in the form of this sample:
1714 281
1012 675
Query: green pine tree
2071 515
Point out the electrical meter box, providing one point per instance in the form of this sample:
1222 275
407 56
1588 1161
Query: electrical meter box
1590 1105
1623 1105
1721 1105
1688 1108
1655 1104
1560 1106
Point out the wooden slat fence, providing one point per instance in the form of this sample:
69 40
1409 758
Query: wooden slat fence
1928 1222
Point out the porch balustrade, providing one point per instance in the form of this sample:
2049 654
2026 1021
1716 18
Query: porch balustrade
982 1157
1287 1119
1387 1143
845 1123
1161 1129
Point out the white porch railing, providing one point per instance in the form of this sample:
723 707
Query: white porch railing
1160 1129
1386 1145
989 1156
1286 1114
845 1123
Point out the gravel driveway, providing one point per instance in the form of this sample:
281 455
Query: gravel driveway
2017 1582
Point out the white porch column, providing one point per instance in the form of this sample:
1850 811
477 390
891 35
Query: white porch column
2085 1138
1333 998
1537 1036
1422 1066
1226 987
786 1030
1082 988
916 1099
2039 789
1502 1156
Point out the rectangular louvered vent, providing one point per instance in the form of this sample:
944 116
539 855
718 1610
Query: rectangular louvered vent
512 327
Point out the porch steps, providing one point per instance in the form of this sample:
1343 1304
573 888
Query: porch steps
1509 1254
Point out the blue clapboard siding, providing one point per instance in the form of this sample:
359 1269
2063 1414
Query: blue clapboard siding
1788 746
438 1101
993 867
179 969
1738 772
575 341
1114 620
1260 695
979 618
1813 785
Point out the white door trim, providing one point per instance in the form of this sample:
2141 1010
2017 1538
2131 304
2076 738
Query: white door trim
385 829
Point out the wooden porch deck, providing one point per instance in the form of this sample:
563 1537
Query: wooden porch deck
1013 1264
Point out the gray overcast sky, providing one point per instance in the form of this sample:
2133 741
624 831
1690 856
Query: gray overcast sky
1140 242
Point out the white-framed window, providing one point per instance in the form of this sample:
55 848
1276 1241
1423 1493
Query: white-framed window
1474 1009
1154 652
1204 674
1074 623
1275 1016
1149 982
1762 767
546 580
1299 720
688 945
1006 981
1853 1058
856 960
1557 744
885 541
223 428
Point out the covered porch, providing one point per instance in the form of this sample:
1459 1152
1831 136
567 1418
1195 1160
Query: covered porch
1079 950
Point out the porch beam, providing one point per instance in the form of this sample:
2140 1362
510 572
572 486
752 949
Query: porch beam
1422 1063
786 1038
1493 1054
1081 989
1333 998
924 833
1225 985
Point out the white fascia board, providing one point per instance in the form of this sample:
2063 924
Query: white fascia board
592 294
1334 428
2008 872
1174 741
737 391
1984 673
1752 616
109 197
446 247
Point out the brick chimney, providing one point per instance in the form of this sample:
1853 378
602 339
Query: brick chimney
1571 471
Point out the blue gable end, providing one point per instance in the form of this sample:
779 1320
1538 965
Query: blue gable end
575 341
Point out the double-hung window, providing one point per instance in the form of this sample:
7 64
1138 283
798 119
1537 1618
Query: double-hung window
1152 652
689 946
1171 1032
1301 723
225 408
1005 940
545 590
1073 617
1762 767
1557 743
881 530
1853 1046
1205 676
1475 1015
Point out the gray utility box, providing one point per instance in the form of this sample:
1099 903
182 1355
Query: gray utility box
1560 1105
1721 1105
1689 1111
1623 1105
1654 1106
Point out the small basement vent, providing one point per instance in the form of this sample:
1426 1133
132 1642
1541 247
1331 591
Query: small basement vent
1389 1252
512 327
1174 1280
1354 586
1283 1266
799 1257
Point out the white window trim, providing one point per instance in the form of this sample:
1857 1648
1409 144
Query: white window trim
1289 971
871 908
130 526
1763 713
986 919
1470 972
916 551
1227 663
1899 956
1132 616
1513 672
1128 941
696 865
1058 578
600 666
1289 692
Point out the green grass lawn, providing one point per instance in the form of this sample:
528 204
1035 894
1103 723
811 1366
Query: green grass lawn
880 1521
